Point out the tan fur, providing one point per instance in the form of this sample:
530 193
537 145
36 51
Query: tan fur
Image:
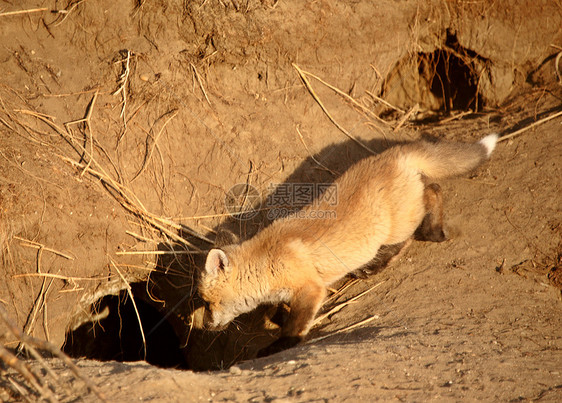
382 200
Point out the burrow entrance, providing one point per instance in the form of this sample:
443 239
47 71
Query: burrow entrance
113 333
449 78
173 337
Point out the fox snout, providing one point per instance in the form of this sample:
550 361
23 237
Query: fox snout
211 322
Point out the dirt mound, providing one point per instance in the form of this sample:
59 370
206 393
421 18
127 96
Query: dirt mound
124 125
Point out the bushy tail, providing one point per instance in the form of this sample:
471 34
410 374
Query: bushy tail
444 159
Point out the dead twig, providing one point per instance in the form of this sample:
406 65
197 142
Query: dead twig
556 67
88 127
37 304
33 379
67 279
70 94
135 207
161 252
140 237
37 245
345 329
45 312
152 140
200 83
129 119
344 95
312 155
19 12
306 83
340 291
23 392
122 89
130 292
457 116
33 351
128 200
534 124
66 13
207 216
382 101
404 118
47 346
61 277
339 307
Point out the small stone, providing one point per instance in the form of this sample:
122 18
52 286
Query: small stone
234 370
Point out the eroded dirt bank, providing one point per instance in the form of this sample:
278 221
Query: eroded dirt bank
123 125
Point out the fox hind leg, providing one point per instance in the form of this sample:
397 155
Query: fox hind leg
385 256
431 228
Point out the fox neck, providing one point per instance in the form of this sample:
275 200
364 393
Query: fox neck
259 271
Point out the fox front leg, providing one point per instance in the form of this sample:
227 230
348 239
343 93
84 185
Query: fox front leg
304 304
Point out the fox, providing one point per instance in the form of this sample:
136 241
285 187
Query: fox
385 199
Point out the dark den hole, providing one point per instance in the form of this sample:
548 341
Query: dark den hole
115 334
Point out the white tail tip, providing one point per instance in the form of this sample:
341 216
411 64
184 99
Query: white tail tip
489 142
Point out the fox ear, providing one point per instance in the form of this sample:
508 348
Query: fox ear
216 261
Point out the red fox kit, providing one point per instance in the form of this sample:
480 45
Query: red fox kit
382 200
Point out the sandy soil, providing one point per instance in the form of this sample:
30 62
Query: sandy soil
123 125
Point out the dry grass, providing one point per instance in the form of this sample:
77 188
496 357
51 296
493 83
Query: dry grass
303 75
130 292
90 159
44 387
342 305
152 139
122 193
345 329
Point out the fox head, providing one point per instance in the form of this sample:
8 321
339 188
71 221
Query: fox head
219 288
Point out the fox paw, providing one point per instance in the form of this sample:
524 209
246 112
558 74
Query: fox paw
283 343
